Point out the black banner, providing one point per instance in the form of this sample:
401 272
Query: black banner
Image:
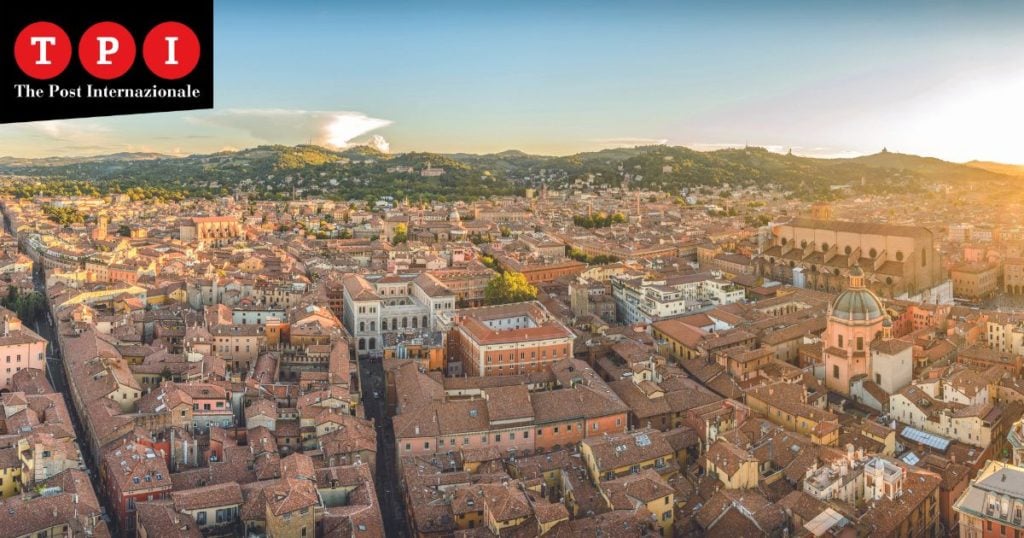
79 59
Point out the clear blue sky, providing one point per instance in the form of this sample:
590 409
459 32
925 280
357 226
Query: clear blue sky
933 77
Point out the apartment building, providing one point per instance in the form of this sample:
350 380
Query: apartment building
507 339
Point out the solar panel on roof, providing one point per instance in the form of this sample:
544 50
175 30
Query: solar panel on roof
927 439
910 458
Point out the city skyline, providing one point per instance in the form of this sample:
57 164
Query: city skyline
930 78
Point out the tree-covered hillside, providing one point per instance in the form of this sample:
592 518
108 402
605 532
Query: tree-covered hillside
283 172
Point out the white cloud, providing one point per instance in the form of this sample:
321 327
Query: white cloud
379 143
285 126
64 130
348 125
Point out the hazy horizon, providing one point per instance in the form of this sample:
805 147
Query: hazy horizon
773 149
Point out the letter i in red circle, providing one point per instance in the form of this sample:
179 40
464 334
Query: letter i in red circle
171 50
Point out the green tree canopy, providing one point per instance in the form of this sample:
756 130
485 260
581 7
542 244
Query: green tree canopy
401 234
509 287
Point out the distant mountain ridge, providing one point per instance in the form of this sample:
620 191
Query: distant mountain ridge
62 161
365 171
998 168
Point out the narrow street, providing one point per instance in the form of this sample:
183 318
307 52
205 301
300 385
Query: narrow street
392 505
44 327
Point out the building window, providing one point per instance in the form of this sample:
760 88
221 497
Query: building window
840 341
860 343
835 371
201 518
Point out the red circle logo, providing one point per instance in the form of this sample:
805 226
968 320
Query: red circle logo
42 50
171 50
106 50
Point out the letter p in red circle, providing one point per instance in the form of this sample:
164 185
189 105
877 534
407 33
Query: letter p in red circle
171 50
107 50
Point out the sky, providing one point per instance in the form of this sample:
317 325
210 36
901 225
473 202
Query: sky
836 78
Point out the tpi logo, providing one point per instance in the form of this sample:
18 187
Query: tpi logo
80 59
107 50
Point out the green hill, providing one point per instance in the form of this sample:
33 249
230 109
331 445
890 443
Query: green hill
280 172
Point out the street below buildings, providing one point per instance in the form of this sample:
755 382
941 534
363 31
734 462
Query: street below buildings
387 479
43 326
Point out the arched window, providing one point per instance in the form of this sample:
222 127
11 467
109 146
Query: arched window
835 272
424 322
373 343
899 255
803 244
373 326
362 344
784 241
824 247
383 324
888 280
848 250
415 322
362 326
924 257
872 253
405 323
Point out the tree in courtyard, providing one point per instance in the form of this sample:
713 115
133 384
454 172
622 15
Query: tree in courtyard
509 287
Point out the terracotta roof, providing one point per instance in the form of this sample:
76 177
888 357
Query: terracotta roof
159 518
227 494
626 449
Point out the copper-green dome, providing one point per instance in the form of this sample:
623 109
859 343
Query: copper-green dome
857 304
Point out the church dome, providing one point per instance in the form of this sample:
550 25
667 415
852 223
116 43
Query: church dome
857 303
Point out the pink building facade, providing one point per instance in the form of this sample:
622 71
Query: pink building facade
855 319
20 348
